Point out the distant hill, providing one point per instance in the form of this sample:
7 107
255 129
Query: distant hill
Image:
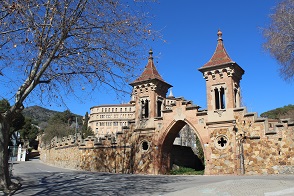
38 114
280 113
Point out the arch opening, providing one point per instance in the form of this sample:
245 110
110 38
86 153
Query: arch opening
182 149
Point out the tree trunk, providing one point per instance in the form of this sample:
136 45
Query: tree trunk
5 181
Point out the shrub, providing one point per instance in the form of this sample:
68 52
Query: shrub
186 171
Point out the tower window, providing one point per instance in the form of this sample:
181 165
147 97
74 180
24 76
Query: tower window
159 103
222 98
216 95
235 97
144 108
219 95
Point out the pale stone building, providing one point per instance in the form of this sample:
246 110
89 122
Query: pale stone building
110 119
107 120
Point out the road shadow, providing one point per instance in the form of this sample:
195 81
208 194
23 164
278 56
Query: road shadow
89 183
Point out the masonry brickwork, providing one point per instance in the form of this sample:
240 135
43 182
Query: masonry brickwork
233 140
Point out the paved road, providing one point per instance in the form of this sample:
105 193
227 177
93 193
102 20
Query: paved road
40 179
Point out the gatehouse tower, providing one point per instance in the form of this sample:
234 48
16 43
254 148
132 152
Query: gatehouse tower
149 93
223 77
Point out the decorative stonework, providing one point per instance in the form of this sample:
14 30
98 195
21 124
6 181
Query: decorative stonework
221 142
220 112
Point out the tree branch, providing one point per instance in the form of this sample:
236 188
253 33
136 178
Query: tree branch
60 74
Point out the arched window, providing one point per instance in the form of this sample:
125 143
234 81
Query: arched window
216 96
219 97
144 108
235 97
222 98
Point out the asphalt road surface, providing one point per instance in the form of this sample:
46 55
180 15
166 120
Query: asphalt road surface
40 179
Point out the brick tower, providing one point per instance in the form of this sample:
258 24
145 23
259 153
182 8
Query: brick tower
149 93
222 77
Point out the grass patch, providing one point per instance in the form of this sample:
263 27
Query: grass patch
186 171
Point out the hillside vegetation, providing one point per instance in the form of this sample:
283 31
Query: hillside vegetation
38 114
280 113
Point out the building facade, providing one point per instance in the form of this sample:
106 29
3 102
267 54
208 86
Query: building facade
107 120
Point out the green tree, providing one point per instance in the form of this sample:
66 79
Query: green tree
18 120
86 130
280 37
29 132
278 113
60 46
65 117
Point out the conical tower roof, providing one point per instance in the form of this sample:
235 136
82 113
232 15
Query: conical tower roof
150 72
221 59
220 55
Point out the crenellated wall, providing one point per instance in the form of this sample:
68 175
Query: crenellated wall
245 145
108 154
268 146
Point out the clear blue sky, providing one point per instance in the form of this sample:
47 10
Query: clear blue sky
189 28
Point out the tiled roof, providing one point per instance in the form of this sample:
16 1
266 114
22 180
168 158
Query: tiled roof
220 55
150 72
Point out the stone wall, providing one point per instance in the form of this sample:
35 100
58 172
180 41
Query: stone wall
268 147
108 154
223 157
270 154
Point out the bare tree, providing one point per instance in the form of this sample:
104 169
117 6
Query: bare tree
280 37
54 47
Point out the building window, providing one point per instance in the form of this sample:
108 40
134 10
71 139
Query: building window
145 108
219 95
159 103
237 97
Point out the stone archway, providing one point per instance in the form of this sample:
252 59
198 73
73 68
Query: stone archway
165 144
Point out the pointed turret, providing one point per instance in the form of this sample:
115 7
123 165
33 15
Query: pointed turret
171 94
221 59
149 92
220 55
150 72
222 77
